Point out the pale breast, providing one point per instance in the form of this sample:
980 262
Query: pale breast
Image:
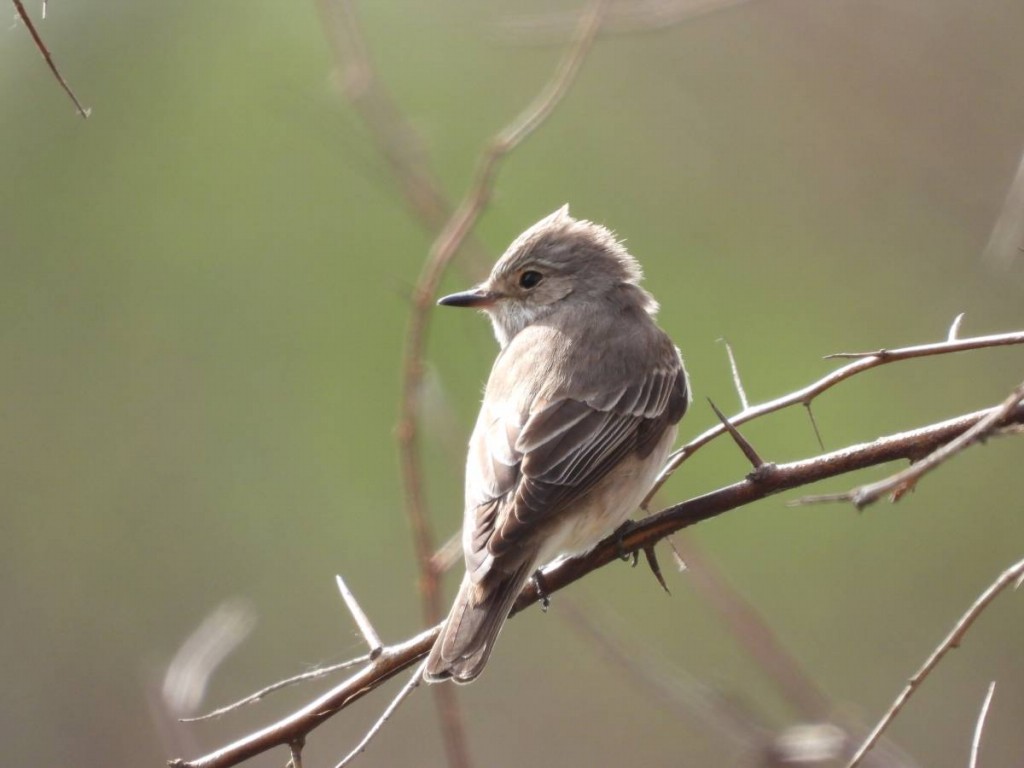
608 505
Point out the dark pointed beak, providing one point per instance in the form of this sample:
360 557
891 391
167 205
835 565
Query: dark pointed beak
477 297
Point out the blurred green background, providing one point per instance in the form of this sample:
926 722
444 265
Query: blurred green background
202 306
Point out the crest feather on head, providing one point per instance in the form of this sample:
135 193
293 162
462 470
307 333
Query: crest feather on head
558 236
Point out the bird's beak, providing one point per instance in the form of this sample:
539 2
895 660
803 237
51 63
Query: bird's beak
478 297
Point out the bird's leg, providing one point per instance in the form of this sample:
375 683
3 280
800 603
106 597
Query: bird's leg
633 555
620 534
542 590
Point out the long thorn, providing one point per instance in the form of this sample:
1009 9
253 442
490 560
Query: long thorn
362 621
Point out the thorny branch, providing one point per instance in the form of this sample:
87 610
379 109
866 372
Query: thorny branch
902 482
863 361
38 40
771 480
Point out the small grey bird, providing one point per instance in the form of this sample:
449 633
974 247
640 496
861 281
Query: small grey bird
578 417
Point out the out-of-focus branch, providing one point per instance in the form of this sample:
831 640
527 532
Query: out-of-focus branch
1012 575
771 480
863 361
621 18
1006 242
38 40
396 138
754 634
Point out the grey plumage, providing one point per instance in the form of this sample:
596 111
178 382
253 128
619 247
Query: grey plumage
578 416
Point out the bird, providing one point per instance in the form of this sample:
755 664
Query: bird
578 416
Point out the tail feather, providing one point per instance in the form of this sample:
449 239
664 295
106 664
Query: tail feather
476 618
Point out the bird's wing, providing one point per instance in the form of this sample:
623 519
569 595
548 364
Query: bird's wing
538 466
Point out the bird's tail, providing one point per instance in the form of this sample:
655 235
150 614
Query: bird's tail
476 618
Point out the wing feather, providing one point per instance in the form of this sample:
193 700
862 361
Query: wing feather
536 462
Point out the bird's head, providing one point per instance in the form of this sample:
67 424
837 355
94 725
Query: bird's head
558 262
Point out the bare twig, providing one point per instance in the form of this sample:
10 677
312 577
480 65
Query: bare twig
414 681
441 254
806 395
951 641
313 674
902 482
979 728
83 111
295 748
647 532
362 620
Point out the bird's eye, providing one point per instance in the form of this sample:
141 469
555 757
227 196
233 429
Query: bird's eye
530 278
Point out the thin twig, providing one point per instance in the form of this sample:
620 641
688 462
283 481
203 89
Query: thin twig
979 728
362 620
396 658
902 482
295 748
441 254
806 395
314 674
83 111
951 641
414 681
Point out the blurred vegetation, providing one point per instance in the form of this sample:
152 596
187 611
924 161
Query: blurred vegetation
201 319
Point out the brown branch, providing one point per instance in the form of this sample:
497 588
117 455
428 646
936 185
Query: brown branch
83 111
1011 575
775 479
805 396
902 482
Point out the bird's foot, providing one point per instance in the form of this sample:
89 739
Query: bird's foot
625 554
542 590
